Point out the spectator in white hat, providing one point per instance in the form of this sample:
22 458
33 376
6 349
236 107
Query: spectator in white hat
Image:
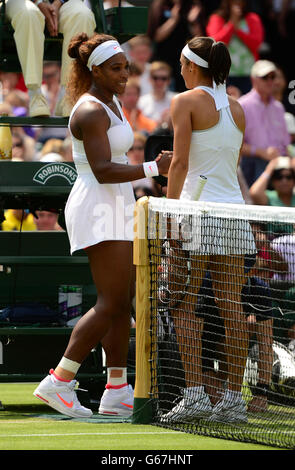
266 135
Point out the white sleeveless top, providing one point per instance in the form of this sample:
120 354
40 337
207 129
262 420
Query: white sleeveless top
98 212
214 153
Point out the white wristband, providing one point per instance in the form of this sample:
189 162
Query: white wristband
150 169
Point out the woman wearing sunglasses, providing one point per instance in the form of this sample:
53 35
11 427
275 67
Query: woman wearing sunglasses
275 187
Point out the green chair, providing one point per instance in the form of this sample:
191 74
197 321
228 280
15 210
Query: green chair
122 22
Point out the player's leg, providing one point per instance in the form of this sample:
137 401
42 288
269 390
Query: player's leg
111 267
188 327
228 278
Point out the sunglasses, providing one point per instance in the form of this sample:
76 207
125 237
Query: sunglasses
269 76
160 78
286 177
18 144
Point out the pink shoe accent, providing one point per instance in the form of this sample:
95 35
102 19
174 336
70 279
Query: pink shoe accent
116 387
41 398
51 372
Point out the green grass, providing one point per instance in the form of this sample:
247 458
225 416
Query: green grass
27 424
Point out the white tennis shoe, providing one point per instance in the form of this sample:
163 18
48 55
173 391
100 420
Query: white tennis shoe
194 405
230 409
62 397
117 401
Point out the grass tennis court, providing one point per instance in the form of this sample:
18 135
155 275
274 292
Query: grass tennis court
26 424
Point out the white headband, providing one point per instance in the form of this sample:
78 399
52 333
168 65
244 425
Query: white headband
190 55
220 96
103 52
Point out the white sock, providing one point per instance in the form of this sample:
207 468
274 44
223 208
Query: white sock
116 381
69 365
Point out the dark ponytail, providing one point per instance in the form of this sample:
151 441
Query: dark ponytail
216 54
219 62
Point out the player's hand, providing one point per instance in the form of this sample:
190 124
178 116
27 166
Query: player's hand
51 17
163 161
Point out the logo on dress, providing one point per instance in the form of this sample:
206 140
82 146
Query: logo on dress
50 170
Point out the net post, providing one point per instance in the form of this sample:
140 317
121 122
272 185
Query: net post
142 411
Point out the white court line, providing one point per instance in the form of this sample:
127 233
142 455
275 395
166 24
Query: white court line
88 434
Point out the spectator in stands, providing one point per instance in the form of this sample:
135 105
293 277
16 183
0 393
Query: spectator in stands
165 127
280 173
23 146
136 156
233 91
290 121
18 147
280 176
47 220
281 90
17 99
169 27
51 145
154 104
242 31
66 150
283 283
260 310
133 114
50 87
266 135
6 108
9 82
28 20
140 53
51 157
279 20
19 220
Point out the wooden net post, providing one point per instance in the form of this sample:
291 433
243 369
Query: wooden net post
143 410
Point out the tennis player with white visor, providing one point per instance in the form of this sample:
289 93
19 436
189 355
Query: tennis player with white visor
208 134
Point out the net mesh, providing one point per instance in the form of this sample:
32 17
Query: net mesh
222 296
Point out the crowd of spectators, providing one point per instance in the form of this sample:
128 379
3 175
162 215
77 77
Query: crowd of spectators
262 78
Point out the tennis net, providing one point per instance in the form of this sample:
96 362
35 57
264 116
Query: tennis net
215 319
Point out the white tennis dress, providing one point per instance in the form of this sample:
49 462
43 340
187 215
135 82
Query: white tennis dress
214 153
98 212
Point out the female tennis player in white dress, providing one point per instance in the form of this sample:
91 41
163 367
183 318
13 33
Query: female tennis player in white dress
99 219
208 134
